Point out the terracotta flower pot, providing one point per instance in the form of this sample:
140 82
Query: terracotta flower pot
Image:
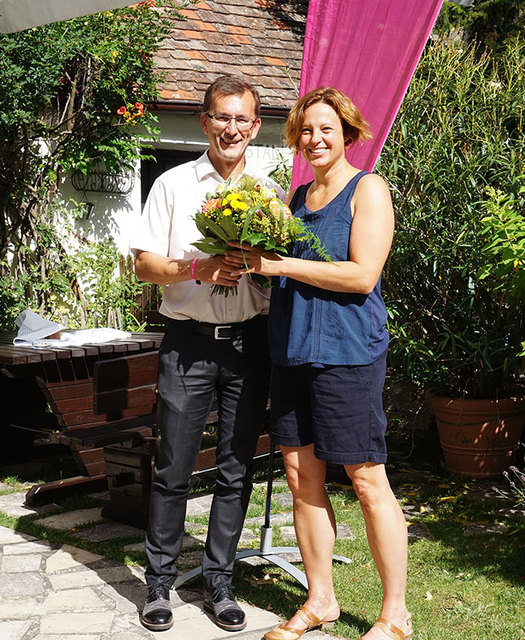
480 438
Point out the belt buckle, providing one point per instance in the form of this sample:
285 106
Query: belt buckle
217 329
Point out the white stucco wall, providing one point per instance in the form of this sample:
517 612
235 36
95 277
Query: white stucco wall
116 215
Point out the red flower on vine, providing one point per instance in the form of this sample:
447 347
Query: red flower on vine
121 111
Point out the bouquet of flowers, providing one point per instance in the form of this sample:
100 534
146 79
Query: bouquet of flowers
250 211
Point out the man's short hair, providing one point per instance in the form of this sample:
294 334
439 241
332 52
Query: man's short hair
230 85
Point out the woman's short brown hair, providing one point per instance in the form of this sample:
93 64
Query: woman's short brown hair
354 125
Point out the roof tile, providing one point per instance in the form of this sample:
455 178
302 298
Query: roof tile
261 39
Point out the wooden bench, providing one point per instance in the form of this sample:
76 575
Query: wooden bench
119 401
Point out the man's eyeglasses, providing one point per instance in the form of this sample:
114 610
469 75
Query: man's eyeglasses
222 121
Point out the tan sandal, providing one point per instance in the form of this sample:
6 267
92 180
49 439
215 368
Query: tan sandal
284 632
391 630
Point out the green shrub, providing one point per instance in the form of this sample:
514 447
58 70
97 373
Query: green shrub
456 316
71 97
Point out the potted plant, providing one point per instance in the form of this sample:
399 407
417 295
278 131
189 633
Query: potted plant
455 283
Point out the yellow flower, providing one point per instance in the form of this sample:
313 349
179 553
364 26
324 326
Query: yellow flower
238 205
227 212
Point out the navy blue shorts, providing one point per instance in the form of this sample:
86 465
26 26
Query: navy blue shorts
337 408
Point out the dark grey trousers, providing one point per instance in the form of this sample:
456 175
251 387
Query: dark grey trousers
191 368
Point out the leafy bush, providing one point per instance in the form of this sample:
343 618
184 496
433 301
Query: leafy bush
456 310
71 96
488 22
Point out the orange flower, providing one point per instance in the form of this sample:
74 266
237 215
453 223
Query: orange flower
210 205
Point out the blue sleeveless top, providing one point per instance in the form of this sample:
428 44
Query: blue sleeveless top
311 325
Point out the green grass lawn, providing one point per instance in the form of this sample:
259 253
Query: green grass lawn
464 587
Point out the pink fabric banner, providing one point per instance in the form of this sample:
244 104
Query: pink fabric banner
368 49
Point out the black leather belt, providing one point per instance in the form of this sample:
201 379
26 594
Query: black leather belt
217 331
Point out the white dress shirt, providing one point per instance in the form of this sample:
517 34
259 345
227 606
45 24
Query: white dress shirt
167 228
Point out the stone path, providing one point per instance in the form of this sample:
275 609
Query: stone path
61 592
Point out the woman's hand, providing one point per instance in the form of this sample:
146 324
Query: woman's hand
267 263
215 270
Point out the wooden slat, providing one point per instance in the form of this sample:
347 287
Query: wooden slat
73 405
77 389
119 431
43 493
42 355
112 402
130 371
11 355
96 468
103 347
87 417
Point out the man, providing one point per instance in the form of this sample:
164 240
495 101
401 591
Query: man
213 344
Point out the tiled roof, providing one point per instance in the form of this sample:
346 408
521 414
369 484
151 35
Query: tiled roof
259 39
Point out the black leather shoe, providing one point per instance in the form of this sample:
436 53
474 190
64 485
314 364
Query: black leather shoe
156 615
227 613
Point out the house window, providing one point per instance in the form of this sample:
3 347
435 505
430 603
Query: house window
150 170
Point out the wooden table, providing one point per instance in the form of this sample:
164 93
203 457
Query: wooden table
50 390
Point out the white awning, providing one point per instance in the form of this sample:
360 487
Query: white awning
17 15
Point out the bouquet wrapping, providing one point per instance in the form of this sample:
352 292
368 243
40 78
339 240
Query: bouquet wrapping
250 211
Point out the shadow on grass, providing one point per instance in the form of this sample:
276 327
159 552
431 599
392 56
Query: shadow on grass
493 555
46 463
283 597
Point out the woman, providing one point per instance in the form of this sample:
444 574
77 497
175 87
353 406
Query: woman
328 343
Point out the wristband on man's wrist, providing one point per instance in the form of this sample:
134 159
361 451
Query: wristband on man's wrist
193 268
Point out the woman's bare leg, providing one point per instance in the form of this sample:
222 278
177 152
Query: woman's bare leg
315 528
387 537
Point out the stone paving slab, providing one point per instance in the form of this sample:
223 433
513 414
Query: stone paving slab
199 506
55 623
71 519
73 600
108 531
485 529
29 546
419 531
13 505
8 536
21 563
69 557
23 585
19 609
276 520
14 630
